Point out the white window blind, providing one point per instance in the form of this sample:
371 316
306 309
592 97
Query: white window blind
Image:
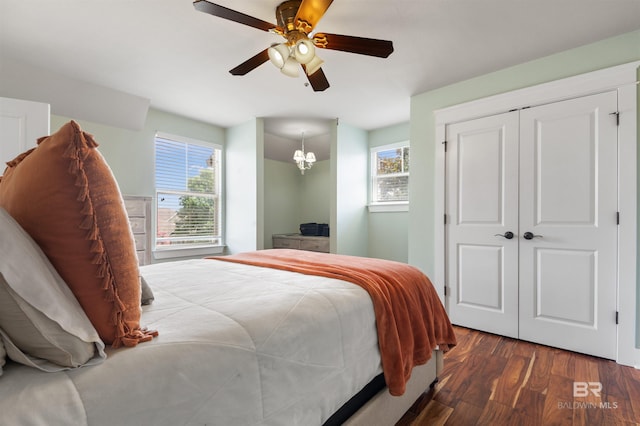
187 193
390 174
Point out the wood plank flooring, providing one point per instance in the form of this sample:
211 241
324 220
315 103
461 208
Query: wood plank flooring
495 380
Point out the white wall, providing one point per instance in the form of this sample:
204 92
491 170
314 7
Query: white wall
72 98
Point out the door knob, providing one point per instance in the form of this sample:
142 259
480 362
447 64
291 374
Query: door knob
530 235
508 235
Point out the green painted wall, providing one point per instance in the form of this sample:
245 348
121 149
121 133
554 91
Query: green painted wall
292 198
130 153
349 165
603 54
244 187
389 231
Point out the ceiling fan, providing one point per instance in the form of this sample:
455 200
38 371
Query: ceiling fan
296 20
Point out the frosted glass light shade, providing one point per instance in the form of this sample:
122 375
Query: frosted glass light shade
304 50
278 54
311 157
291 68
298 155
314 65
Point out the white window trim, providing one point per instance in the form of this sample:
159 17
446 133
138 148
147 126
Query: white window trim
161 253
395 206
384 206
188 252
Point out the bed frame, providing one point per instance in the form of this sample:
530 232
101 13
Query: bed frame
382 408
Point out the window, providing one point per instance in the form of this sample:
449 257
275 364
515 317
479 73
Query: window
188 204
390 174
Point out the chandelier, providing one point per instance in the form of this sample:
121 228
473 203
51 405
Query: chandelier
304 161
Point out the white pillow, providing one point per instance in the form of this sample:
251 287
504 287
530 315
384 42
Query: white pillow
41 322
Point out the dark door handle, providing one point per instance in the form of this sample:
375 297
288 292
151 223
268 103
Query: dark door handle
530 235
508 235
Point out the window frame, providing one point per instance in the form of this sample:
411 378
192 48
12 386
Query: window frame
172 251
385 206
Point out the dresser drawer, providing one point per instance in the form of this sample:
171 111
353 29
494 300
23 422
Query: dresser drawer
139 213
286 243
315 245
135 206
141 241
138 225
142 257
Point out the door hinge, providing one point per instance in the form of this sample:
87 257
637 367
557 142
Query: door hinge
617 317
445 292
617 218
445 145
617 114
445 218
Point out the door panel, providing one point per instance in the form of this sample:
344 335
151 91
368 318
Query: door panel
561 145
480 173
549 175
21 123
482 201
565 286
568 270
480 277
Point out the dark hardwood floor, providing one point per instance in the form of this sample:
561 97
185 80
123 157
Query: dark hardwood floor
494 380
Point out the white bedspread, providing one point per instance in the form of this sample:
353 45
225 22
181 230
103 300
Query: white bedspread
238 345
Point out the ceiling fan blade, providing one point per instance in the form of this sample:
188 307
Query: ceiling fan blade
361 45
232 15
309 13
318 80
251 63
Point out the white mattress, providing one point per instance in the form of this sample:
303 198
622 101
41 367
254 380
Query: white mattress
238 345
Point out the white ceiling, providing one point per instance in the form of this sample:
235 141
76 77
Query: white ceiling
178 58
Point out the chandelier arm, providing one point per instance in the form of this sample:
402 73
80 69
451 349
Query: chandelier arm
303 160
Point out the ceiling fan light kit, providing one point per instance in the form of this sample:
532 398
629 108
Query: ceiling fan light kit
291 68
314 65
304 50
278 54
296 20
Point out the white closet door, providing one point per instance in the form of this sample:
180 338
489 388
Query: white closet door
568 202
21 124
482 205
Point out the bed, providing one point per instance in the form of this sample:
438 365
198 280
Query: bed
251 346
274 337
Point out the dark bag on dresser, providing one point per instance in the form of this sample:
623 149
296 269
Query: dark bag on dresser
314 229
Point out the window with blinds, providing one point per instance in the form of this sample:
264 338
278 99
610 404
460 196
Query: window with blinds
188 186
390 174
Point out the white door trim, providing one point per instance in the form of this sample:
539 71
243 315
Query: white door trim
622 78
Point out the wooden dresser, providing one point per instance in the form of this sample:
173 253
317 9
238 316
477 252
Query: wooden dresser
301 242
139 212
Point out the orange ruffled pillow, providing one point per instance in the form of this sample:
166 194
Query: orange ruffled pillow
65 196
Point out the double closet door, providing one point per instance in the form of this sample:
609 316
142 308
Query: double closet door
531 238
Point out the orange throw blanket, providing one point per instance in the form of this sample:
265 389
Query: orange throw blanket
410 318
